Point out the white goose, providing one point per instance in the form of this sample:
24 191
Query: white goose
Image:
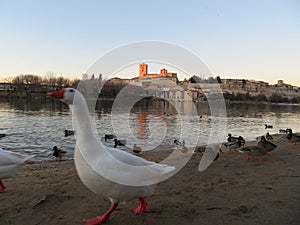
116 174
10 162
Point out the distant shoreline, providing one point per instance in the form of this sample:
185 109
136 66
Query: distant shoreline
44 96
110 90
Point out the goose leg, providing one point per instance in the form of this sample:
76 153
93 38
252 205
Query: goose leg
101 219
1 187
141 207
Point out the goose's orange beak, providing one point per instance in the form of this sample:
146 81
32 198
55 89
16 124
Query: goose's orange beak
57 94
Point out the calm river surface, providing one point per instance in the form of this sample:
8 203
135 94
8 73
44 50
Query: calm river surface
34 128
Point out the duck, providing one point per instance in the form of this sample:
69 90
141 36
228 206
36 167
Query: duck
58 153
181 146
167 114
231 139
69 133
10 162
268 126
254 151
119 143
136 149
108 136
283 131
234 142
177 142
269 137
265 144
184 149
106 171
294 138
233 145
2 135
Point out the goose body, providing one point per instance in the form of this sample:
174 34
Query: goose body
117 193
10 162
101 168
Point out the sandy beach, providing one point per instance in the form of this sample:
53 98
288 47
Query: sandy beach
231 191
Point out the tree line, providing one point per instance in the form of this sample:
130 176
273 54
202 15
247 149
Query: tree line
50 79
274 98
111 89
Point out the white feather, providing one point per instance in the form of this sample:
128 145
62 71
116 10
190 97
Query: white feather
112 172
10 163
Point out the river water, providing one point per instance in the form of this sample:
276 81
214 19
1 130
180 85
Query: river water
35 127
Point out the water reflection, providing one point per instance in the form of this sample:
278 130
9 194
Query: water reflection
145 111
32 105
256 110
142 131
35 126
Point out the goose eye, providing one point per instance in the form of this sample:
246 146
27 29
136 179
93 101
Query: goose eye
71 90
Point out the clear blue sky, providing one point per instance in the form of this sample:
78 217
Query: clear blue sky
258 39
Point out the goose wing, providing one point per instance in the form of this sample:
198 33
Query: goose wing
123 167
136 161
11 158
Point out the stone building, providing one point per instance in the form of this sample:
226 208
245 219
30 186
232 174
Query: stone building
143 73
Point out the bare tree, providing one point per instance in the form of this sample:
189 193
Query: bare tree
85 76
32 79
17 80
50 79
